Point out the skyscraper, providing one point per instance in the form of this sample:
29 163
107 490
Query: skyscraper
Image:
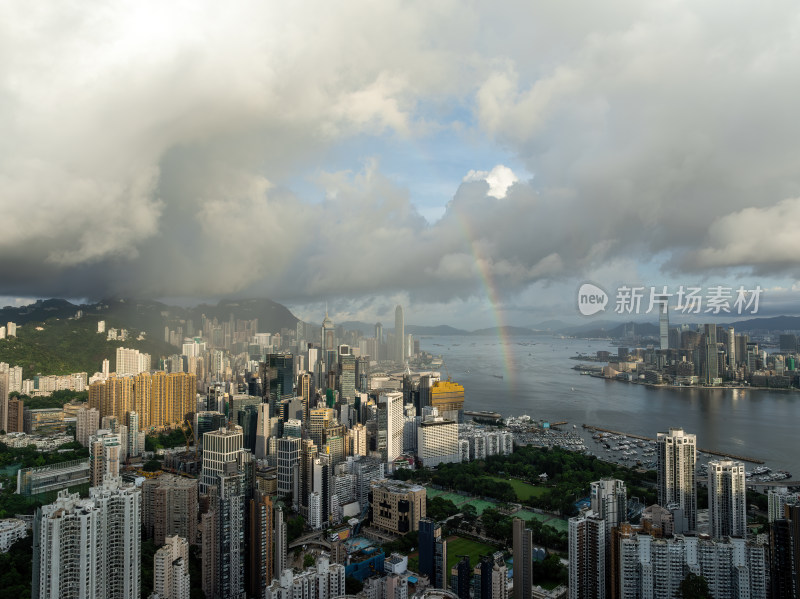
230 556
171 569
399 336
448 398
610 502
169 507
86 425
708 360
390 425
587 557
523 560
663 320
727 510
280 543
66 533
429 531
677 456
731 348
288 462
131 361
260 557
105 453
219 448
328 335
277 374
120 529
89 548
461 576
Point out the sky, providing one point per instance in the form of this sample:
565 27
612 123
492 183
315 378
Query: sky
475 162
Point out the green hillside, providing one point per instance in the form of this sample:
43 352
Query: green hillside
65 346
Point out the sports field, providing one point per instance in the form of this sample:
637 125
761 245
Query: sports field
523 490
559 524
461 500
457 546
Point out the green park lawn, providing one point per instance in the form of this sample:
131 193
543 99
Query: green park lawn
524 491
457 546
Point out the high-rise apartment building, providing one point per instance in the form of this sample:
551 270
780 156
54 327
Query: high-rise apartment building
171 569
131 361
655 567
390 425
105 454
677 456
66 549
87 422
437 442
493 577
260 556
609 500
523 559
229 577
281 547
727 509
15 419
170 508
89 548
587 557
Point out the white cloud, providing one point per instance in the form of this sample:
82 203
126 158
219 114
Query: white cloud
500 178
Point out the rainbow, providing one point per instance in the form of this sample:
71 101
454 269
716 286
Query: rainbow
482 262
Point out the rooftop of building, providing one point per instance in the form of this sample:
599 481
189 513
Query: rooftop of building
397 486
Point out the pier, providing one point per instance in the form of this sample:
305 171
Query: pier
643 438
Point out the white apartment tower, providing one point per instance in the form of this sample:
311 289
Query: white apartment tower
171 569
727 505
131 361
677 455
437 442
89 548
390 425
66 549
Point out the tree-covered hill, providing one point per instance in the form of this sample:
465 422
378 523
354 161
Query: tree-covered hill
63 346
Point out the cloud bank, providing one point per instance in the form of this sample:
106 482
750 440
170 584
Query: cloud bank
153 149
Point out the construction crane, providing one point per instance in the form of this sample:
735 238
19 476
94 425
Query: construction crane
188 425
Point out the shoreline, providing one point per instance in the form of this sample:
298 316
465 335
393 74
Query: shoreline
694 387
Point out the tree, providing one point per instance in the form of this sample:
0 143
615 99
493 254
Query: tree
353 586
295 527
152 466
308 561
693 587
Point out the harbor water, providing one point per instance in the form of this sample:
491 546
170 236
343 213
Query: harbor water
534 375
